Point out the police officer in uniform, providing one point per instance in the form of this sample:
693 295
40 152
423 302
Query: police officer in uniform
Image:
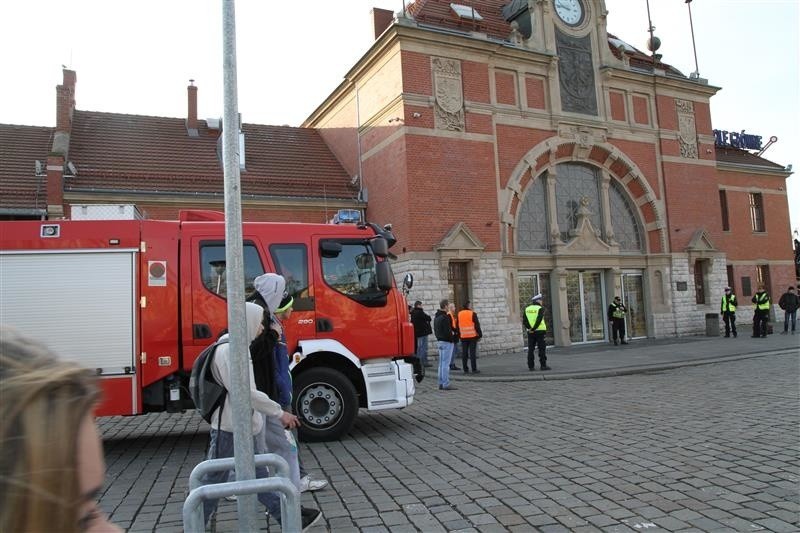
616 317
534 323
761 305
728 311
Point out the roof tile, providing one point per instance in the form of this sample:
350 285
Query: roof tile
20 147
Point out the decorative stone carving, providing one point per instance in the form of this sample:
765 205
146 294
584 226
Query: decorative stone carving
576 74
448 94
585 238
515 37
687 133
584 136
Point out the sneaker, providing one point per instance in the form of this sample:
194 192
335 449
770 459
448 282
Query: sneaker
309 517
231 498
312 485
476 371
447 387
545 368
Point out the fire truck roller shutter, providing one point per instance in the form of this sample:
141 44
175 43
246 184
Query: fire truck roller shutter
80 304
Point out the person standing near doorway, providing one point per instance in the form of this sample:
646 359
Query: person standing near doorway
422 328
451 312
761 305
535 325
789 302
443 329
470 331
728 311
616 317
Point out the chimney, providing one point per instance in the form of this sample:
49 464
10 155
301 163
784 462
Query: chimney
65 106
381 19
191 117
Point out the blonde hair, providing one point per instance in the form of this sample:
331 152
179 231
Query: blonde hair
43 401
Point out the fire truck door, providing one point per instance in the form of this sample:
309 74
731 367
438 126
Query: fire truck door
349 305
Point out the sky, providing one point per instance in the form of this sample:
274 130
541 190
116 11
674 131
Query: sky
138 58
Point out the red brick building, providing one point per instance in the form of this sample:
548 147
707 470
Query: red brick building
515 146
519 148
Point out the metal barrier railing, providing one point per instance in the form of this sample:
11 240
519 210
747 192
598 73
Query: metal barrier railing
290 497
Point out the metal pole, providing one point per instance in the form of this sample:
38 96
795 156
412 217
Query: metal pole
694 47
239 344
650 29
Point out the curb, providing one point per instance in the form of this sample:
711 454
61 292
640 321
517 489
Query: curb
622 371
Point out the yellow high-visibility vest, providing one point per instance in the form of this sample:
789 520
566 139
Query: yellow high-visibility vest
532 313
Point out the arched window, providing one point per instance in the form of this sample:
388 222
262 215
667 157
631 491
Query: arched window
532 223
574 182
623 219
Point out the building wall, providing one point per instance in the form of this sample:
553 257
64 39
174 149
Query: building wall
652 135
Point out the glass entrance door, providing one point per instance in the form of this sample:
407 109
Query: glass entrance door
528 285
633 298
587 319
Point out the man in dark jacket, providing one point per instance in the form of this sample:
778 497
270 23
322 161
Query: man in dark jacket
422 328
789 302
443 329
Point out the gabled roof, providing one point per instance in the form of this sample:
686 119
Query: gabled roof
737 156
438 13
135 153
20 148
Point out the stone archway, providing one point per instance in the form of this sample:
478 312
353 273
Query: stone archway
585 148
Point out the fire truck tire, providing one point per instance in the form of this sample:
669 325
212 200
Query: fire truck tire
326 403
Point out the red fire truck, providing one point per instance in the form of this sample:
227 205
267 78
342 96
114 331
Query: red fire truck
138 300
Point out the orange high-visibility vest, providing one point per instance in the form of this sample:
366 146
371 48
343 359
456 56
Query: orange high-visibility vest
453 320
466 324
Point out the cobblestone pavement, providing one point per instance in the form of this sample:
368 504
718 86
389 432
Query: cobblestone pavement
705 448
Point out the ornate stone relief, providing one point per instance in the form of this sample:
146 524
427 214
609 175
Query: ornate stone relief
687 133
584 136
576 74
448 94
585 238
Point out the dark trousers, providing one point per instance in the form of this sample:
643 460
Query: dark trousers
789 317
455 356
760 319
468 349
536 338
618 328
730 323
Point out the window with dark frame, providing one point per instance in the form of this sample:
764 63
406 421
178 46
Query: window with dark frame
762 275
458 279
747 290
757 212
699 282
723 204
731 279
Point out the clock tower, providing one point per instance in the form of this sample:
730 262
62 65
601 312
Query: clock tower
574 32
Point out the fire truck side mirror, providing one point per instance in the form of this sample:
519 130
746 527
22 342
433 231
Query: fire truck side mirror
383 275
380 247
408 281
330 249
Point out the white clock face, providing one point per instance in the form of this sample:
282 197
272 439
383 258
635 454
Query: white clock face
570 11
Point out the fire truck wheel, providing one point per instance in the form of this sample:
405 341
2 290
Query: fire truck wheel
326 403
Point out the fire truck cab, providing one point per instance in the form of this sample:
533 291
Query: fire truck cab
138 300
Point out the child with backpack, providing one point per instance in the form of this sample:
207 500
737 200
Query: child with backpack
221 434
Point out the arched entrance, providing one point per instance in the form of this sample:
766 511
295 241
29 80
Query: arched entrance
585 220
